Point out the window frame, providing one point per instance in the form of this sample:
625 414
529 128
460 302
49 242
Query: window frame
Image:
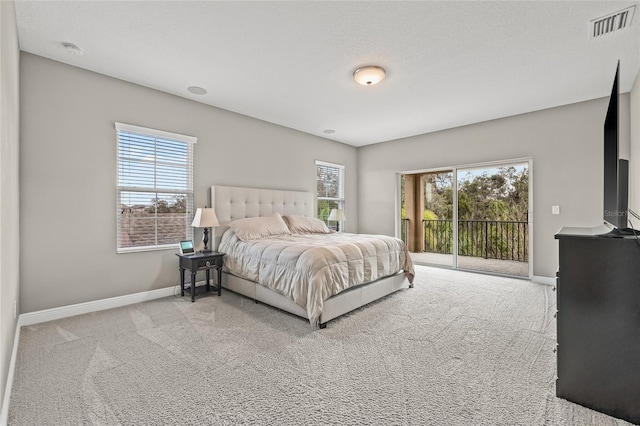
189 142
340 200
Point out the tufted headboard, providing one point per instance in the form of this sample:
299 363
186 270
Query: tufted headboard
234 202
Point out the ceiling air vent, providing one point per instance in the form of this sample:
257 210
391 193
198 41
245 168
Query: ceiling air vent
611 23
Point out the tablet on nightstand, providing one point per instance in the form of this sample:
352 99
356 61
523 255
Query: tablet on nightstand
186 247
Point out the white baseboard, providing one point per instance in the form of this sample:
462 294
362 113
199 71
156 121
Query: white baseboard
544 280
94 306
4 414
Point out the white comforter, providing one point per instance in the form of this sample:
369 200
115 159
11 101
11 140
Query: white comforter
311 268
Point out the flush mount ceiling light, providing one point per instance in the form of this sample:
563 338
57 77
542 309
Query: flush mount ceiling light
197 90
369 75
72 49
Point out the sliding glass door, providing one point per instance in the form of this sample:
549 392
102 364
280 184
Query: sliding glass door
437 218
493 219
427 216
472 218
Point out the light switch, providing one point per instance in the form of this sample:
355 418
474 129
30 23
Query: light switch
555 209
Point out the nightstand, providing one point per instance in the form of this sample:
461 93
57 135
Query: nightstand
197 262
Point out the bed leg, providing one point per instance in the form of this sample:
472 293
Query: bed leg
410 285
322 325
256 301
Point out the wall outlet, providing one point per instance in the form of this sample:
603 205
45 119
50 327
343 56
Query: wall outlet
555 209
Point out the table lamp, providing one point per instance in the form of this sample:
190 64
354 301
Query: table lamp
337 215
205 218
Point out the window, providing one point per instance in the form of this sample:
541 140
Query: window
330 182
155 188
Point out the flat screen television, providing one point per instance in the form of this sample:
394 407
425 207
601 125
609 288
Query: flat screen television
616 170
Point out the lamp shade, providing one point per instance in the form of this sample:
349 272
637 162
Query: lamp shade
205 218
337 215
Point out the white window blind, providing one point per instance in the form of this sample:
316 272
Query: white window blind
330 188
155 188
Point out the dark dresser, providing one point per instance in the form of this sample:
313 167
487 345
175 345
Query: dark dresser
598 322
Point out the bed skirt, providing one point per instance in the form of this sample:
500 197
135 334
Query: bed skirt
337 305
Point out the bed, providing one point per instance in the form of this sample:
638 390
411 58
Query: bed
313 287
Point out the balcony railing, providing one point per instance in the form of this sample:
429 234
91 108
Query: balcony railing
491 239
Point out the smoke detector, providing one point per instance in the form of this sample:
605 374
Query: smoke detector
611 23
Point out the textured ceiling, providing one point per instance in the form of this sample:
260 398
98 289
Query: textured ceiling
449 63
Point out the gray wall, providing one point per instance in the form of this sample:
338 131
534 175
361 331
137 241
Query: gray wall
9 240
565 144
67 162
68 176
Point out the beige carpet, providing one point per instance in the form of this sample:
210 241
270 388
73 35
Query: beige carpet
457 349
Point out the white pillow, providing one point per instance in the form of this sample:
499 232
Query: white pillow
254 228
306 225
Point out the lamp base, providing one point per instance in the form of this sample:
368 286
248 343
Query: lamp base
205 240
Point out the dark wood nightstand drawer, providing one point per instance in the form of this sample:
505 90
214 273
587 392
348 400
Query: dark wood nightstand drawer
209 263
